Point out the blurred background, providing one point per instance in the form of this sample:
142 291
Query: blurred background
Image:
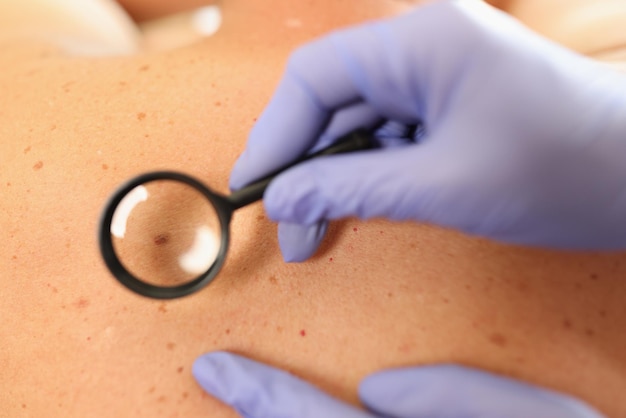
108 27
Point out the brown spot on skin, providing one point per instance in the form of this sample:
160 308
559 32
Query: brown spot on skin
260 217
88 338
567 324
81 303
302 333
144 68
330 259
498 339
227 331
589 332
279 329
122 84
161 239
152 389
105 167
180 369
185 395
163 307
299 293
389 295
593 276
578 286
8 184
446 300
170 346
355 229
273 280
66 86
53 127
218 104
141 116
468 287
602 313
27 149
161 399
38 166
23 406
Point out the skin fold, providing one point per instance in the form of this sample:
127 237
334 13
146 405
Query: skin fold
75 343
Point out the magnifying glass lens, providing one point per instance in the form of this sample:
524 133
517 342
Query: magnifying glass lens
166 233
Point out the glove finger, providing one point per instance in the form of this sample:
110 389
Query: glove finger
266 155
385 182
448 391
303 104
432 182
299 242
256 390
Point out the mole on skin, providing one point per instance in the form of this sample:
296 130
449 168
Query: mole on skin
161 239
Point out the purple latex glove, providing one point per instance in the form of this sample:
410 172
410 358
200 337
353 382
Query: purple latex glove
259 391
525 141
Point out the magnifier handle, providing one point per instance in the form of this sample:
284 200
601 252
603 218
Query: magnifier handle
357 140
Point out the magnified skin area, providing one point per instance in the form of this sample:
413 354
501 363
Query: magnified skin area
166 233
75 343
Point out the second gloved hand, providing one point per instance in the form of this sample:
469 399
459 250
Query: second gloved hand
524 142
256 390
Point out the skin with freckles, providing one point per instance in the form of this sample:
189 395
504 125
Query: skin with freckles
74 343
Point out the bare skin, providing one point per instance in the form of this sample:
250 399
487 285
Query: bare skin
142 10
378 294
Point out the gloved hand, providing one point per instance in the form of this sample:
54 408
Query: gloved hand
525 141
259 391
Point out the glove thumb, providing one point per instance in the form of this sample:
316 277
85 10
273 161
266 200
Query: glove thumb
299 242
449 391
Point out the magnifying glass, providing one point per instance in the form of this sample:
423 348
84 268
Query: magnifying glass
165 234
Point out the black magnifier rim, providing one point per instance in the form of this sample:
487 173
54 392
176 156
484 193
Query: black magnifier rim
125 277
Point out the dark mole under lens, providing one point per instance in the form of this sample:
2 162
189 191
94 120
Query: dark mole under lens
161 239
